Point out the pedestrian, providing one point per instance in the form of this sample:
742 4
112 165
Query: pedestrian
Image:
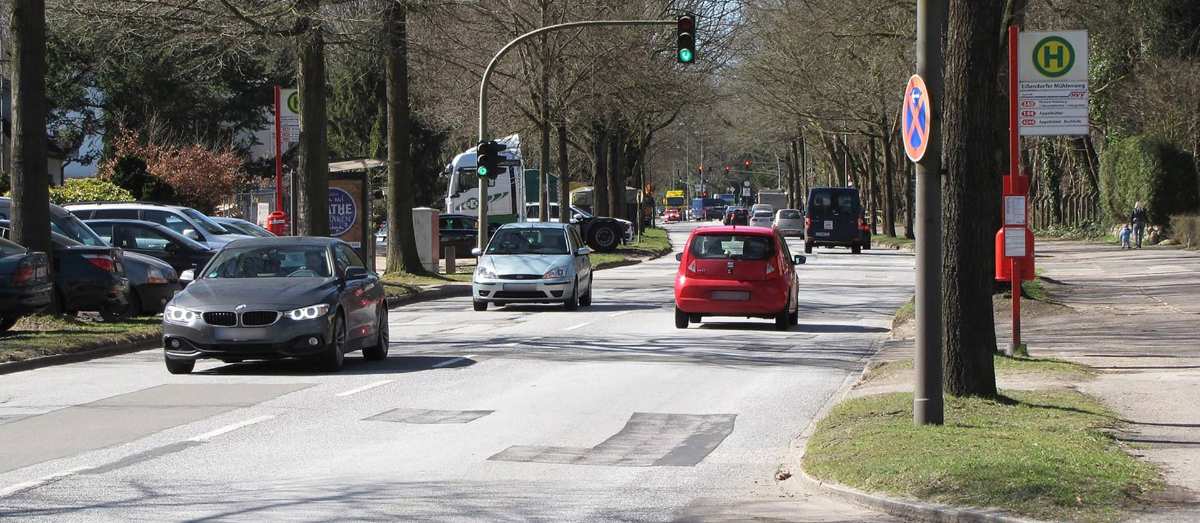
1138 219
1125 233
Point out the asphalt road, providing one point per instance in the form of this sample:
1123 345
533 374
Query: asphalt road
519 413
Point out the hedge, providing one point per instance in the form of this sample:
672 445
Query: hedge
1186 230
1149 170
88 190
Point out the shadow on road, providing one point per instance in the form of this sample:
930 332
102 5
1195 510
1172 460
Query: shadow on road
353 366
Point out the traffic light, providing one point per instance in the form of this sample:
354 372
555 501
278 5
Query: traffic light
747 163
488 159
685 38
726 169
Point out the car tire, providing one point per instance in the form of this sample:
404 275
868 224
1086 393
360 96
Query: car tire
856 249
572 301
111 314
334 355
681 319
783 320
808 248
794 317
135 304
175 366
379 351
7 321
479 305
586 299
604 238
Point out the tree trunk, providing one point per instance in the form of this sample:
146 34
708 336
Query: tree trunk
564 176
402 252
543 174
972 191
313 168
30 179
874 174
909 201
600 172
616 175
889 188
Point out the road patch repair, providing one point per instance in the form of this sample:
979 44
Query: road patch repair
430 417
647 440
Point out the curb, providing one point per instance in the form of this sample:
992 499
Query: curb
909 510
449 290
135 345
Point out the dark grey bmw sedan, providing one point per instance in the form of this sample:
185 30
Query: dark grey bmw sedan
271 298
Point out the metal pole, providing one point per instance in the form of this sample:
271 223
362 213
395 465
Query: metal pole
927 398
483 99
1014 182
278 154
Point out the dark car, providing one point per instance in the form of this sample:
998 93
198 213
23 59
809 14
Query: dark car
459 231
89 275
272 298
737 216
152 239
835 219
25 286
240 226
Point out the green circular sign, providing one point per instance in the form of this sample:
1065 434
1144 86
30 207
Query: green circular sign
293 102
1053 56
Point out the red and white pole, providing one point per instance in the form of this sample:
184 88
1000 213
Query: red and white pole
278 154
1015 187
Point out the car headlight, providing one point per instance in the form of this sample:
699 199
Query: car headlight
311 312
485 271
555 273
179 315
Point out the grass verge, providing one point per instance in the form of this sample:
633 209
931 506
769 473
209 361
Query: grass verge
47 335
653 242
403 284
1041 454
1004 365
905 313
891 241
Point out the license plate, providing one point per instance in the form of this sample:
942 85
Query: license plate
829 225
731 295
821 234
520 287
240 333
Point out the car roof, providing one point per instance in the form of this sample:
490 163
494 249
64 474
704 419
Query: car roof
284 241
55 210
535 225
734 229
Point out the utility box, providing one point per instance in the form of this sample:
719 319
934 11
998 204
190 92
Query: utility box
429 245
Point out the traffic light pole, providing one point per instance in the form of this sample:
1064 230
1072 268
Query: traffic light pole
483 99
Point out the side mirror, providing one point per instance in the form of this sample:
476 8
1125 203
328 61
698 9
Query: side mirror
798 259
577 218
356 273
583 251
679 256
187 276
191 233
476 252
171 248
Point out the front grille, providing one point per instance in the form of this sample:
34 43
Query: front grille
520 276
259 318
221 319
519 295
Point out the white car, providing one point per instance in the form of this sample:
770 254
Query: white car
762 219
183 220
533 262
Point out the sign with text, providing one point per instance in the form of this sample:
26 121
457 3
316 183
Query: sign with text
289 115
1014 242
1053 74
1014 210
347 212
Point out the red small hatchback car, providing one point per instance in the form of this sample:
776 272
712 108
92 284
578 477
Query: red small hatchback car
737 271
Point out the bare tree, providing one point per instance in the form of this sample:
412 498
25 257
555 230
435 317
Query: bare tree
30 181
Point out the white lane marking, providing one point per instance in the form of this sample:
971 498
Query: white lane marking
417 323
229 428
447 363
357 390
622 313
580 326
19 487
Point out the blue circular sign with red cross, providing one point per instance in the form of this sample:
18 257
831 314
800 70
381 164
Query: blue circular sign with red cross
916 117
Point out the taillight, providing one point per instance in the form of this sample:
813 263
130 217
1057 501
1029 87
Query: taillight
23 274
103 262
862 224
807 222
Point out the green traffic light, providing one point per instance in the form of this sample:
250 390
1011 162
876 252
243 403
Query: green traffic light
685 55
482 171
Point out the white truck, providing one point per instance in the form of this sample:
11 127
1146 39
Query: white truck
506 193
777 200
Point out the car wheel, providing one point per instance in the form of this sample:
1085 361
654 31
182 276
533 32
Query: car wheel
479 305
382 339
586 299
135 304
7 321
331 360
605 238
572 301
681 319
808 248
783 320
175 366
113 314
794 317
856 249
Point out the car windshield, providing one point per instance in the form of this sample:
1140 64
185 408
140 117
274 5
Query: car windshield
205 222
293 261
577 210
69 225
731 246
789 214
528 241
762 214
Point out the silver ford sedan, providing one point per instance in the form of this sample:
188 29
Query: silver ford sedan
534 263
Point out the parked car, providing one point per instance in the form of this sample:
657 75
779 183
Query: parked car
25 286
152 239
183 220
459 231
737 216
89 274
272 298
240 226
534 262
713 213
759 207
789 222
835 219
762 219
601 233
672 215
731 271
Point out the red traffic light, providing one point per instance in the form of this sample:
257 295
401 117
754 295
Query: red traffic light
726 169
747 164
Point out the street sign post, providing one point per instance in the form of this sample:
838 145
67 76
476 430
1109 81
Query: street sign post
1053 90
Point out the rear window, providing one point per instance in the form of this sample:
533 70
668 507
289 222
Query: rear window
8 248
789 215
762 214
731 246
825 201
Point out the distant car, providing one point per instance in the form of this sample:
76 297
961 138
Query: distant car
789 222
271 298
713 213
737 216
534 262
459 231
762 219
25 286
835 219
672 215
240 226
601 233
184 220
759 207
152 239
737 271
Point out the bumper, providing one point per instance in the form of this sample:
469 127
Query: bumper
25 300
833 241
535 291
695 296
284 339
155 296
786 231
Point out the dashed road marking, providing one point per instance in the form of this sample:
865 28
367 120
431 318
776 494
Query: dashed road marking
357 390
450 362
622 313
580 326
230 428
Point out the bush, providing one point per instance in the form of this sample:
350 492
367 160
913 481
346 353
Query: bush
76 190
1186 230
1150 170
